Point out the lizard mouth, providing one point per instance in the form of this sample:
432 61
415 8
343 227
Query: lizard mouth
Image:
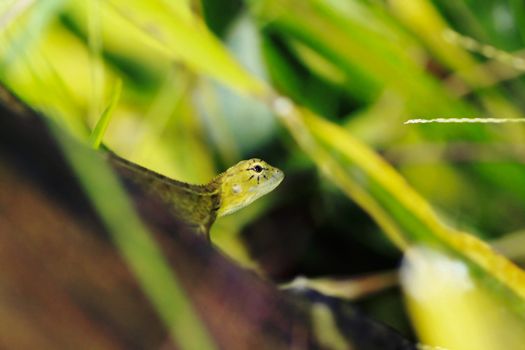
278 176
276 179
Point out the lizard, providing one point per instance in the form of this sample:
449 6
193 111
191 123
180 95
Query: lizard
199 205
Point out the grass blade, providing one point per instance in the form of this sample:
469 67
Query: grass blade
139 250
97 135
401 212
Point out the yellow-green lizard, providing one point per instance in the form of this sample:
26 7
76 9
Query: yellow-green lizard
199 205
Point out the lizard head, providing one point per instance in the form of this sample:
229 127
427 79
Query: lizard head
245 182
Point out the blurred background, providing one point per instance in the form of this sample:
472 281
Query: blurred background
366 66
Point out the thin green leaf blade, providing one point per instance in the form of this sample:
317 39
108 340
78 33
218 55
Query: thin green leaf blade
95 139
140 251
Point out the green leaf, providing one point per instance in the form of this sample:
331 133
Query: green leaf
97 135
188 40
401 212
138 248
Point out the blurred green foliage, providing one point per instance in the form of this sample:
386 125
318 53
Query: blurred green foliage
194 102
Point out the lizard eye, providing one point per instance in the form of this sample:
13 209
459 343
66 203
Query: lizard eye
257 168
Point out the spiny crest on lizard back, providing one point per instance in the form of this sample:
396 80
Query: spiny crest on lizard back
245 182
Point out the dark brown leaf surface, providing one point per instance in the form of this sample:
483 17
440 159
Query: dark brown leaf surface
63 284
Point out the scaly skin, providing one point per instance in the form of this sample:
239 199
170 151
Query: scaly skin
200 205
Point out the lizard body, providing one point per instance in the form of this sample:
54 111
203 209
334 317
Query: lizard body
199 205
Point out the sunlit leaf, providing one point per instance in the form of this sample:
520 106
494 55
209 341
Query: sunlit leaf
100 129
